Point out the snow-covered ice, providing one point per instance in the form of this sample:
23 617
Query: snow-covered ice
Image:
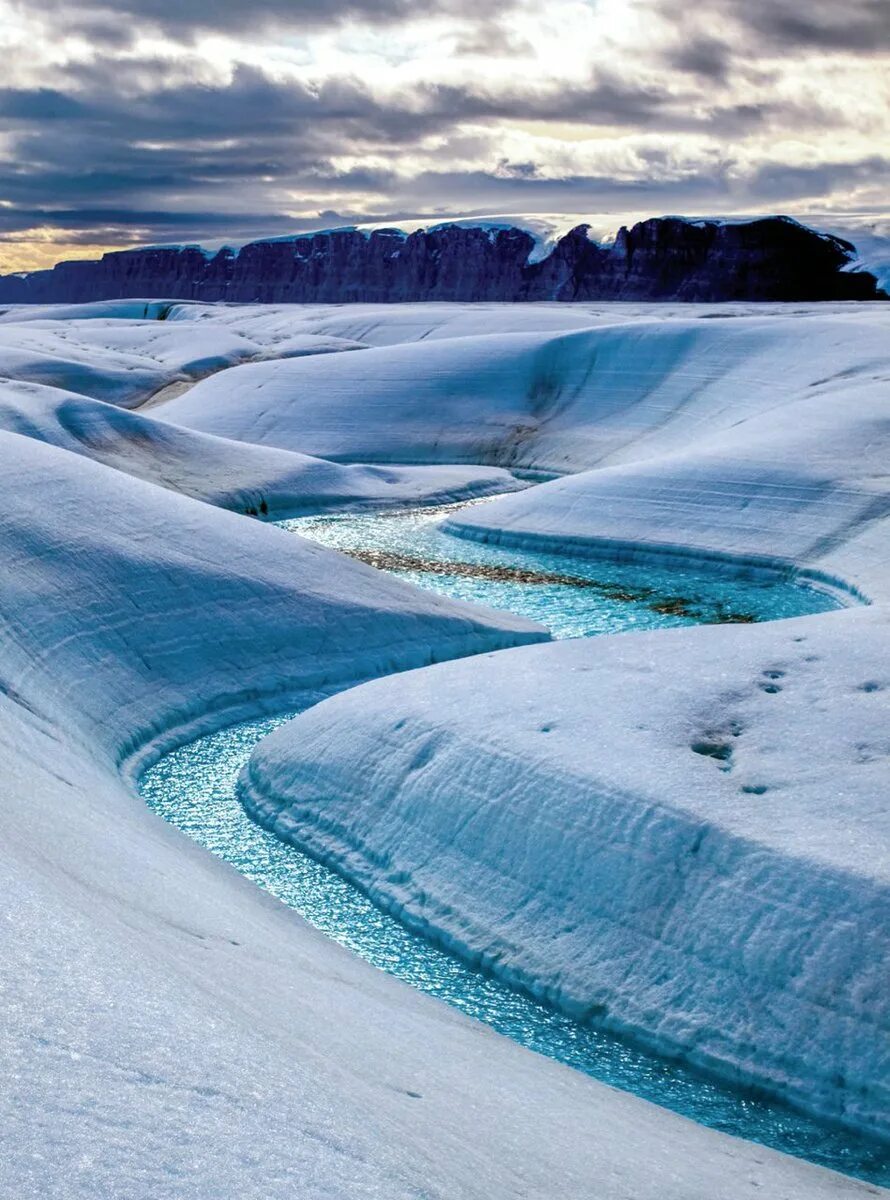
540 397
125 360
255 479
170 1031
754 442
682 834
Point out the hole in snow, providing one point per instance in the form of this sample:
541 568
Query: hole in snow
718 750
423 755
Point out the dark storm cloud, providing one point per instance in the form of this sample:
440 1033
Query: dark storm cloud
37 104
776 181
114 21
254 143
790 26
705 56
860 25
718 187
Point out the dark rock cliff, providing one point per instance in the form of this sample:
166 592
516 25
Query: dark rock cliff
665 258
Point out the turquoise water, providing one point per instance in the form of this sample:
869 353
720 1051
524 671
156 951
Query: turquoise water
194 789
572 597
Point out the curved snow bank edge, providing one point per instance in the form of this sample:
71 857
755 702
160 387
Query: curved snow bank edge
175 728
736 566
466 493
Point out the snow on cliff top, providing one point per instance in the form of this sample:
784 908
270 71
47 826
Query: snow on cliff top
545 228
870 235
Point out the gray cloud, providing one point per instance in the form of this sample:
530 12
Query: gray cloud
860 25
113 22
492 39
123 148
790 26
708 57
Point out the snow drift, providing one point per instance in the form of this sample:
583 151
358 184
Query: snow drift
125 360
786 489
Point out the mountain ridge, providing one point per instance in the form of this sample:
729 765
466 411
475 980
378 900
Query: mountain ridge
661 258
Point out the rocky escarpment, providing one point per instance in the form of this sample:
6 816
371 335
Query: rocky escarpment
665 258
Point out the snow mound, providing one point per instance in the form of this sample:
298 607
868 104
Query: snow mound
392 324
556 401
253 479
350 619
678 835
124 310
125 361
117 360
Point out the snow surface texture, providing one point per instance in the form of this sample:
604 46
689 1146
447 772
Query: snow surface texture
168 1030
681 834
753 441
567 390
252 479
759 434
125 360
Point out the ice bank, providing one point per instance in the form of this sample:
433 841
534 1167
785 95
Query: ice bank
679 834
568 400
258 480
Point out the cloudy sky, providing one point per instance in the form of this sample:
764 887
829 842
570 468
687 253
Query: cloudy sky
127 121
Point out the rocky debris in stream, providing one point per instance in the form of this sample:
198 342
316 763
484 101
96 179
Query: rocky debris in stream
680 606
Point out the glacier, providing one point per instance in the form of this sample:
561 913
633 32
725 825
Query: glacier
171 1031
750 444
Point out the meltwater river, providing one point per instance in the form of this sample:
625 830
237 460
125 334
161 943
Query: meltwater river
194 788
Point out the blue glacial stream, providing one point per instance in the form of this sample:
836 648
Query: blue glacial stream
573 597
194 788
